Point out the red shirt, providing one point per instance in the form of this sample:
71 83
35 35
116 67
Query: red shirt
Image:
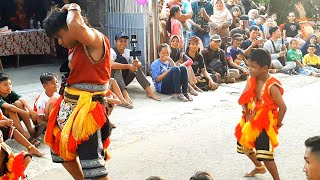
85 70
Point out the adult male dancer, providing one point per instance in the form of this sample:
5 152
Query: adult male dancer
78 125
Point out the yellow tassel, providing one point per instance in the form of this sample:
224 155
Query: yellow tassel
10 164
249 134
77 122
83 129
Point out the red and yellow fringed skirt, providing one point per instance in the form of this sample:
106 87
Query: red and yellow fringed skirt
73 120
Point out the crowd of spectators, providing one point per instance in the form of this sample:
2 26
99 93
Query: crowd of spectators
227 32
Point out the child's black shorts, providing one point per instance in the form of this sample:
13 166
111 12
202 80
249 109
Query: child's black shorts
263 150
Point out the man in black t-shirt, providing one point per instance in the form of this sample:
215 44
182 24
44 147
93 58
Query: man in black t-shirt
291 28
252 42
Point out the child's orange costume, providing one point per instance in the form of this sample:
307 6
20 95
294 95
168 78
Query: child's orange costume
14 164
263 114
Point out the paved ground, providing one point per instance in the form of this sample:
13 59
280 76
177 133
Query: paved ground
175 139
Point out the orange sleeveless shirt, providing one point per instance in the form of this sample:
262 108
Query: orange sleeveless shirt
264 114
85 70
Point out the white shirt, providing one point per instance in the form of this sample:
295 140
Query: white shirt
126 55
41 101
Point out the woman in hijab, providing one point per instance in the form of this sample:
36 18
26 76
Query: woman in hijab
311 40
221 19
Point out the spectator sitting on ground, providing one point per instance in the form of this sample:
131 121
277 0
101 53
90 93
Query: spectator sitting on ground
12 166
235 56
241 60
215 61
202 175
295 55
125 68
180 58
8 131
243 27
291 29
169 78
278 61
311 40
16 107
253 42
202 10
311 59
198 67
49 83
312 158
221 19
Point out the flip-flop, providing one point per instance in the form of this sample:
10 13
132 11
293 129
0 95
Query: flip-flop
129 106
40 128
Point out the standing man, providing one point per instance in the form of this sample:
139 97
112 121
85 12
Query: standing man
202 10
78 127
125 68
312 158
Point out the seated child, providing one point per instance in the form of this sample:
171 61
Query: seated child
16 107
295 55
8 131
311 59
202 175
12 166
50 84
240 64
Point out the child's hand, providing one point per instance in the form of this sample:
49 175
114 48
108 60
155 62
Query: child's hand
6 123
33 114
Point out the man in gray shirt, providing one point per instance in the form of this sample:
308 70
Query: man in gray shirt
276 52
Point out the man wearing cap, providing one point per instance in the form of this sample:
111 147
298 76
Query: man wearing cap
233 51
215 59
275 49
125 68
243 28
202 10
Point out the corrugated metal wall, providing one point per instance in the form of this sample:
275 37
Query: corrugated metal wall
128 17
